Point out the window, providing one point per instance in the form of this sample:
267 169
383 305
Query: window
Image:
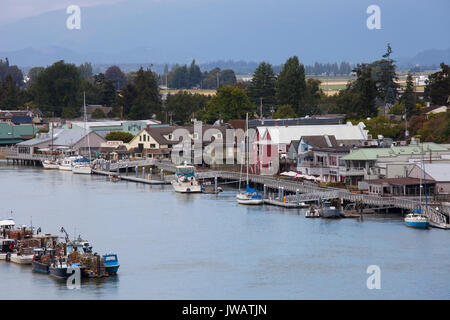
170 136
152 145
144 137
140 138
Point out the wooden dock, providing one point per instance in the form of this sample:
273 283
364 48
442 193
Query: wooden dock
134 179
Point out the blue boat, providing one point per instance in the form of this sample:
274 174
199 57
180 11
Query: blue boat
416 220
111 263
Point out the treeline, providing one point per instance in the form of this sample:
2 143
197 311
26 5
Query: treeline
184 77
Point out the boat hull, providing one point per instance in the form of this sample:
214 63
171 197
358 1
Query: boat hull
50 166
112 269
81 170
329 213
418 224
27 259
61 272
244 199
40 267
65 168
186 187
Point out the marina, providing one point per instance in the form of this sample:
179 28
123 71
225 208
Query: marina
260 252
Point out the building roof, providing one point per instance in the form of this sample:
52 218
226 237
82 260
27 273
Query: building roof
9 132
21 119
284 135
313 120
61 137
432 108
323 141
438 171
375 153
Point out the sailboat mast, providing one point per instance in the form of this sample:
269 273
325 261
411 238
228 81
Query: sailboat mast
424 181
85 125
247 147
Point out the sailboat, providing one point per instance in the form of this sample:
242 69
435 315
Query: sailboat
415 219
82 166
250 196
51 163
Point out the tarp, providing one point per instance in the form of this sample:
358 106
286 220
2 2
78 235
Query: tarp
251 190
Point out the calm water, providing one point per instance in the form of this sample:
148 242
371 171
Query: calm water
175 246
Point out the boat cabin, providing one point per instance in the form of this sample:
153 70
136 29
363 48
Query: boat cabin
185 171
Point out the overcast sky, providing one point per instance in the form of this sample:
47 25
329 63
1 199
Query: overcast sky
12 10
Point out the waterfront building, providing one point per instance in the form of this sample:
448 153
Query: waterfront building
401 187
272 143
130 126
394 162
11 134
320 156
436 171
64 140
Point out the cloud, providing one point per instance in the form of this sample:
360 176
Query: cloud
13 10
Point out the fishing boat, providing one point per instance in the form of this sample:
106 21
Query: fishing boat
42 260
111 263
185 181
312 212
82 165
326 210
5 248
250 196
59 269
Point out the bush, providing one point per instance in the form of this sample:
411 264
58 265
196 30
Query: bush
98 114
119 136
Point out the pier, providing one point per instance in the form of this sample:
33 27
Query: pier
295 191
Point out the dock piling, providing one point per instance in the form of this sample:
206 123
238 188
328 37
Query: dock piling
136 169
143 172
162 175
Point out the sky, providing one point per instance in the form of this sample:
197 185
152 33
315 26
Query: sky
122 31
13 10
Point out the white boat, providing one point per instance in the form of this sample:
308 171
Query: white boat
21 259
312 212
50 164
250 196
66 163
79 169
82 165
185 181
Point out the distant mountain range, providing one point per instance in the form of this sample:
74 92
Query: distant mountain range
175 31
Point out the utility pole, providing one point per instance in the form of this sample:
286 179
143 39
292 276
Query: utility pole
261 107
218 80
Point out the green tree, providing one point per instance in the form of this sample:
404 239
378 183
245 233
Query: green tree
56 88
141 100
229 103
98 114
115 75
85 71
313 95
284 112
383 71
184 105
409 97
33 74
195 75
262 87
438 86
119 136
10 94
291 84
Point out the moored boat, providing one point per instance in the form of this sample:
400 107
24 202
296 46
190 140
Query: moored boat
185 181
50 164
111 263
21 258
251 197
42 260
417 220
312 212
326 210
